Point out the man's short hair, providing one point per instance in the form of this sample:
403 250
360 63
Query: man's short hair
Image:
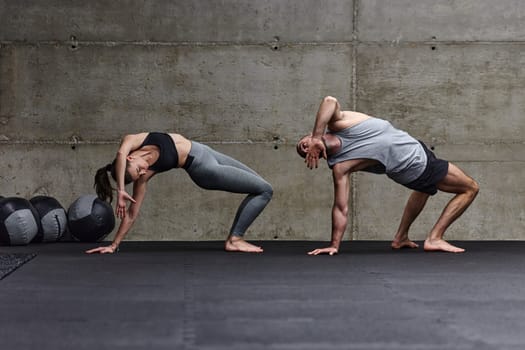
300 152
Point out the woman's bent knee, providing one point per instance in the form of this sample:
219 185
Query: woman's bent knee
268 191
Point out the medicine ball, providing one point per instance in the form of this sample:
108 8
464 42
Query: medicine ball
53 219
18 221
90 219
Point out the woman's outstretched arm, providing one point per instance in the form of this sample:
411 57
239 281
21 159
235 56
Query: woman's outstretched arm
139 192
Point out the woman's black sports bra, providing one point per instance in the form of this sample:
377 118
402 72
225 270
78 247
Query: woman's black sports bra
168 155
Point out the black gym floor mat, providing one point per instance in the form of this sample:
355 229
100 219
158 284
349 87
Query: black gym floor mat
10 262
193 295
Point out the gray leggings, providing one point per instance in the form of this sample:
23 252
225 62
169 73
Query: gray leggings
212 170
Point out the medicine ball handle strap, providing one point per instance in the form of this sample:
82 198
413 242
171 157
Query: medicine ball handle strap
58 223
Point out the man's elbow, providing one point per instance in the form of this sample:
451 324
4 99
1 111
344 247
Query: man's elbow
330 99
341 210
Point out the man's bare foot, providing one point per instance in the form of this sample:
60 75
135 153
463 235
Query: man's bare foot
237 244
441 245
406 243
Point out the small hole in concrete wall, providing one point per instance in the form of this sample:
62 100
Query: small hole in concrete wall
74 140
275 47
432 148
275 237
74 43
433 47
276 139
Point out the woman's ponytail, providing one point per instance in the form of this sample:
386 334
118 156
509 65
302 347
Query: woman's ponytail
102 184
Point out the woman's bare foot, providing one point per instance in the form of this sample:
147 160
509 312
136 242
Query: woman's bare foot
237 244
405 243
441 245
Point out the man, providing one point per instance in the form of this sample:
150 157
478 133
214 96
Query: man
355 141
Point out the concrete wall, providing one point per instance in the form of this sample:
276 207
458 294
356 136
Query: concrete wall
246 77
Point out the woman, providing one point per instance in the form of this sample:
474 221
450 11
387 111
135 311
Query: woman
143 155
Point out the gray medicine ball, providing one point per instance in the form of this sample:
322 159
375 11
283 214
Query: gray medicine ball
53 219
90 219
18 221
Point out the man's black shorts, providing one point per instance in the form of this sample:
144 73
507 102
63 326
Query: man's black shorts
435 171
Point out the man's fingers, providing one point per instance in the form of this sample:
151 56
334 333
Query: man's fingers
312 161
318 251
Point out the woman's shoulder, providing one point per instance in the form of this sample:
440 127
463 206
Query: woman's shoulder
140 135
131 142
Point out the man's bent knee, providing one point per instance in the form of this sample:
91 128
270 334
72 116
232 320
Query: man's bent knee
473 188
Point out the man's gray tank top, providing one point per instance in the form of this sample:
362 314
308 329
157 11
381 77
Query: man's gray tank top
402 157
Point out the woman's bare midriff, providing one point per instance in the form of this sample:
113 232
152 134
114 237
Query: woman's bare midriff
183 146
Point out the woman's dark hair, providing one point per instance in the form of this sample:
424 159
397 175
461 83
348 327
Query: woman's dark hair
103 185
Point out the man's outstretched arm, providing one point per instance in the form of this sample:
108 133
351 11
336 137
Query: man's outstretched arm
339 213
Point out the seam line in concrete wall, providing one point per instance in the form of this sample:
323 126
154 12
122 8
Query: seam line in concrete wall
55 142
110 142
259 43
177 43
443 43
355 41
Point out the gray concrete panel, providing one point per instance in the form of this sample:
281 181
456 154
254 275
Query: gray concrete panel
458 94
177 21
62 171
441 20
207 92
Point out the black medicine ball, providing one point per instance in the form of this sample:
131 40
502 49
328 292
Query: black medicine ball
90 219
53 219
18 221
